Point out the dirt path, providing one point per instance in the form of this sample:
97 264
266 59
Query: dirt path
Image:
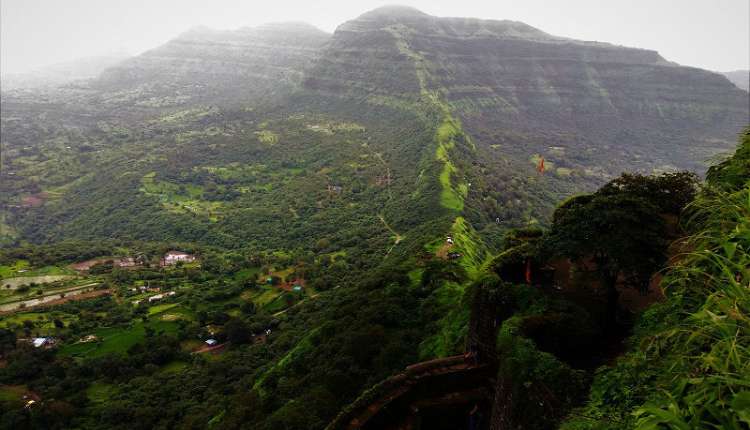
296 304
443 251
379 156
212 349
397 238
81 296
314 296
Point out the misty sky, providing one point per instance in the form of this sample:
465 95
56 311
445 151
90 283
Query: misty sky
712 34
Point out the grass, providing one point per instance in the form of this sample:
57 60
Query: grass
12 270
168 191
191 345
262 296
341 254
100 392
334 127
15 270
187 115
451 329
415 276
43 321
468 243
153 310
12 393
279 303
268 137
711 349
115 340
301 349
111 340
12 283
181 198
174 367
247 274
450 197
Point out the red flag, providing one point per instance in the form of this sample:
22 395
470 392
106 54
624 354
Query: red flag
528 271
540 166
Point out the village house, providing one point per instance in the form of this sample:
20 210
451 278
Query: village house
89 338
126 262
158 297
335 189
173 257
43 342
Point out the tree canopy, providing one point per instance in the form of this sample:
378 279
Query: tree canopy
620 229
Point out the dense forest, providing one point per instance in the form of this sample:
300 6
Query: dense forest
329 350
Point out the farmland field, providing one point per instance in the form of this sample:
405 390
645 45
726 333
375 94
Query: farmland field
115 339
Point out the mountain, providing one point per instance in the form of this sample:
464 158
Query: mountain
485 101
204 65
62 73
590 109
741 78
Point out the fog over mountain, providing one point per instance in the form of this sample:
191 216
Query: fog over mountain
741 78
36 33
61 73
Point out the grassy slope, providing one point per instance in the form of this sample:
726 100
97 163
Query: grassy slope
115 339
451 329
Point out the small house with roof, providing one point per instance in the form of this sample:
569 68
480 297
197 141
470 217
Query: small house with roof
173 257
42 342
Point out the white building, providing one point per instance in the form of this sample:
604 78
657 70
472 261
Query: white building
174 257
39 342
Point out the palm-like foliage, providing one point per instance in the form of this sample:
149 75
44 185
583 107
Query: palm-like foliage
709 381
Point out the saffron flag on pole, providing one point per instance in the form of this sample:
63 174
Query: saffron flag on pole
540 166
528 271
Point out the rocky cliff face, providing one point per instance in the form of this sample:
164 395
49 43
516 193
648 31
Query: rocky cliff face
509 74
590 109
222 67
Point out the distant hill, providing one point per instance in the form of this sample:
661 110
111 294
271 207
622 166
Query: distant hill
741 78
62 73
222 67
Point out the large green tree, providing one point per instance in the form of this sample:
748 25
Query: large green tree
621 229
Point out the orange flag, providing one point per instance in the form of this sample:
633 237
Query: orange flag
540 166
528 271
